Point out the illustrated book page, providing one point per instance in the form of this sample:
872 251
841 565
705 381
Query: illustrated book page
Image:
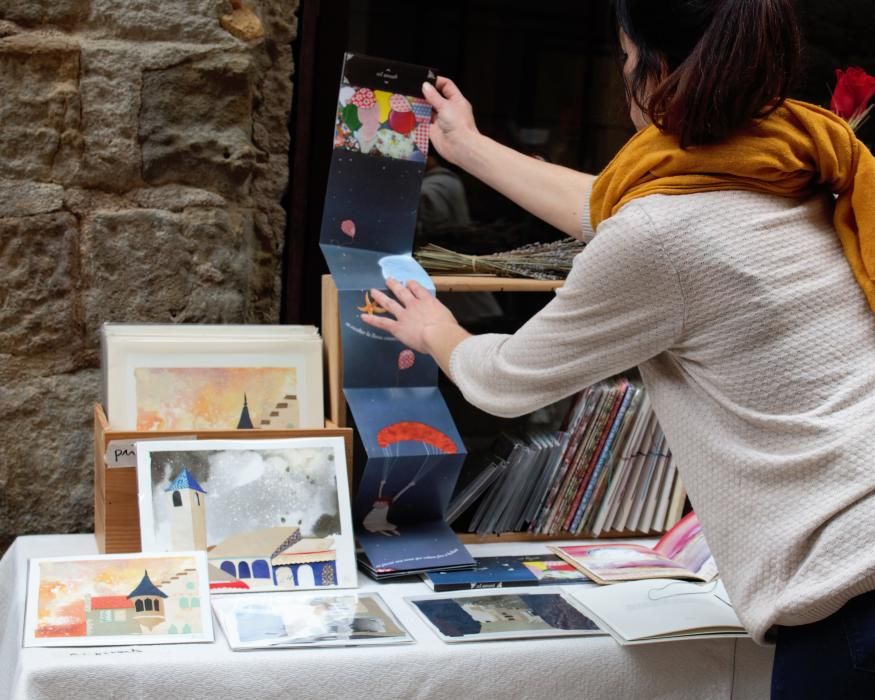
637 612
681 553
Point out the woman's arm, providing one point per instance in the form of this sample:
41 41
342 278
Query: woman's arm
551 192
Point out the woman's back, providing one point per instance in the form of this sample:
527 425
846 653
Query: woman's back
767 396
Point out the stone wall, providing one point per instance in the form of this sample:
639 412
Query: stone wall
143 160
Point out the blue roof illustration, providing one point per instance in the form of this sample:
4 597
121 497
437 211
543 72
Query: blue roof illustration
185 480
146 587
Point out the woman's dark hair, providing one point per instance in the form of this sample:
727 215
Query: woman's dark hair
711 65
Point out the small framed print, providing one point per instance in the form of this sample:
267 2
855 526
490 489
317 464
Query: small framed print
273 620
118 599
176 377
475 616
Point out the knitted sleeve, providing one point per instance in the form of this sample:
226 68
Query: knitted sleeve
621 304
586 230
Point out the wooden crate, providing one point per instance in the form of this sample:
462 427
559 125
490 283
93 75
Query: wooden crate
116 506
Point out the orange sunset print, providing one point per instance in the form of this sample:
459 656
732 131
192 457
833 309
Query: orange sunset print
194 398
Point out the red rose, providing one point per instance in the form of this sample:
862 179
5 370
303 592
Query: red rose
854 89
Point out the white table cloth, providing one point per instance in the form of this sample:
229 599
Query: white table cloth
570 667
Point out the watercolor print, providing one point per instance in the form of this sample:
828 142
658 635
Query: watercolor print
203 398
271 514
118 599
479 617
322 619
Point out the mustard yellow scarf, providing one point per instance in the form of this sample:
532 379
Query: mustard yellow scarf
794 151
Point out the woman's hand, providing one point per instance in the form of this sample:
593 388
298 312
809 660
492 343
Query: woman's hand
453 126
421 321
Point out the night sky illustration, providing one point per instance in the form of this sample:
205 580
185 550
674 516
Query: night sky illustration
379 195
373 358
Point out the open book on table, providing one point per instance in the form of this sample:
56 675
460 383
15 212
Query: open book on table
681 553
638 612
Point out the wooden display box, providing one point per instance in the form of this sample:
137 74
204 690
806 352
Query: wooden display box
116 506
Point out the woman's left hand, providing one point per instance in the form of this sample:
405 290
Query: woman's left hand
418 315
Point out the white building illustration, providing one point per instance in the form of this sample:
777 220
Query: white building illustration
188 520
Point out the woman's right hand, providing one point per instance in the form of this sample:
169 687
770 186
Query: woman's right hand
453 125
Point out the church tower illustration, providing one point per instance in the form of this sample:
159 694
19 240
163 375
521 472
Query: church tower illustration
188 518
245 422
148 604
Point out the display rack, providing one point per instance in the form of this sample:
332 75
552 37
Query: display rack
443 284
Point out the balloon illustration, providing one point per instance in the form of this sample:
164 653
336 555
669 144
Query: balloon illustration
348 227
406 358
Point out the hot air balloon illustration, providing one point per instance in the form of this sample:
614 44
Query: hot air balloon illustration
391 440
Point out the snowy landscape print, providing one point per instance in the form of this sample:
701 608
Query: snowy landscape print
271 514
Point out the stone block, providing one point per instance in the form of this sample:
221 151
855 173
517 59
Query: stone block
196 124
110 93
150 265
175 197
32 13
26 198
40 108
191 21
38 265
46 462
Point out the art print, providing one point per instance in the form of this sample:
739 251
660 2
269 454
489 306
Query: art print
300 619
220 398
380 110
178 377
477 616
270 514
118 599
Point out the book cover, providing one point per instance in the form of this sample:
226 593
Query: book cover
507 571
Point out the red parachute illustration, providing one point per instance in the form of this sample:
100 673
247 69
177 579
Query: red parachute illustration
417 432
389 439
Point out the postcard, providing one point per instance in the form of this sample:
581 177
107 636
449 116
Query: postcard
275 620
270 514
474 616
118 599
172 377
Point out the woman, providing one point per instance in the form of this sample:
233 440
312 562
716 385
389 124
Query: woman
733 265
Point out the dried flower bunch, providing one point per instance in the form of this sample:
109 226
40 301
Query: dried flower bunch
543 261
